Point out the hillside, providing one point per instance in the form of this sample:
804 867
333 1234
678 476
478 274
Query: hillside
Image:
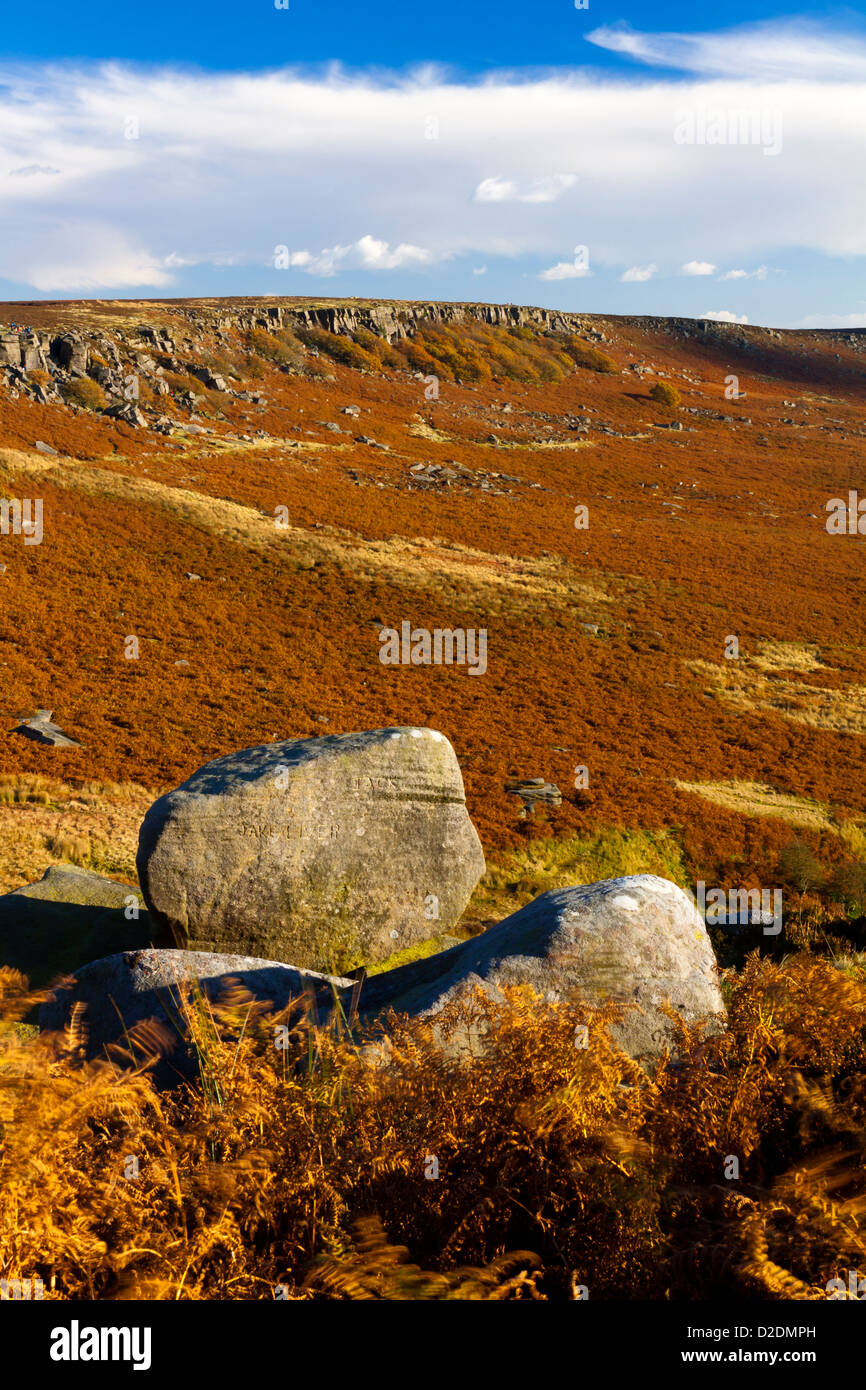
276 481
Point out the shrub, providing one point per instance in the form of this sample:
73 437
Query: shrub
419 359
848 885
179 382
378 348
282 350
221 364
584 355
84 392
666 394
800 868
340 349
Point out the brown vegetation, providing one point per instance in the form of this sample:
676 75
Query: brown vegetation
736 1171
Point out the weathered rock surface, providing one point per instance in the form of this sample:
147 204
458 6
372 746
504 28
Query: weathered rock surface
637 940
128 988
324 852
40 728
71 916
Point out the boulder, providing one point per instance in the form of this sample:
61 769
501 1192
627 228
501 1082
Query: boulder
71 353
127 411
534 791
40 729
132 987
325 852
69 917
638 940
10 350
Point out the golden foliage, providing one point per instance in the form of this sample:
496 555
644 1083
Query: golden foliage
557 1165
84 392
665 394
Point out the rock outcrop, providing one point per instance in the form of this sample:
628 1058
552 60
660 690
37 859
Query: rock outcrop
133 987
40 729
638 941
325 852
67 919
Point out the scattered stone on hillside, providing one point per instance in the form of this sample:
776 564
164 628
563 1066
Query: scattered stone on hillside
637 940
43 447
71 916
129 412
534 791
40 729
212 380
133 986
315 850
354 410
189 575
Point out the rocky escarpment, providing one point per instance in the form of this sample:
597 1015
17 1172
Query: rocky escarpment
135 369
146 374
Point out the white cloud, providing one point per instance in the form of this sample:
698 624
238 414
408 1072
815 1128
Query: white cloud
637 274
759 274
365 254
543 190
697 268
479 270
565 270
724 316
768 51
83 257
229 165
495 191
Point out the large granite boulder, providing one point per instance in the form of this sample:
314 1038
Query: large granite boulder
71 916
324 852
638 941
134 987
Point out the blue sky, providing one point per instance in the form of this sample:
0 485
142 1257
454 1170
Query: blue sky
473 35
613 159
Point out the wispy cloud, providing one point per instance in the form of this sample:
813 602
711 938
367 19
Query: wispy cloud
778 50
759 274
697 268
857 320
544 190
30 171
